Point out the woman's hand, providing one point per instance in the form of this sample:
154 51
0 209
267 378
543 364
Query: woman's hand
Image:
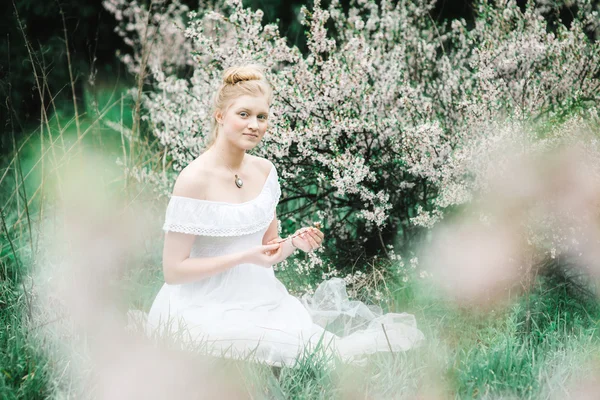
264 255
308 238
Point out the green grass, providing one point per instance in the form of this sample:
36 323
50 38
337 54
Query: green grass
23 366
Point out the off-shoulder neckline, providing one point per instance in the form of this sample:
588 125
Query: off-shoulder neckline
228 203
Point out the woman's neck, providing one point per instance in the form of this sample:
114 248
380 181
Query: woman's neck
229 155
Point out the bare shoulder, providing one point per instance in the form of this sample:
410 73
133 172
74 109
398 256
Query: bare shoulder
263 164
192 181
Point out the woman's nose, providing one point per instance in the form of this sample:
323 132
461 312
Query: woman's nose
253 123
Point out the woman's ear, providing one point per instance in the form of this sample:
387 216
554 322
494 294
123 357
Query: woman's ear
219 117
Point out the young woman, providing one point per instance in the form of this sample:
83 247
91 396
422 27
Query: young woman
221 243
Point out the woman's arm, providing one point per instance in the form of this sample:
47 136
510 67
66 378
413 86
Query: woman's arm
272 236
179 268
305 239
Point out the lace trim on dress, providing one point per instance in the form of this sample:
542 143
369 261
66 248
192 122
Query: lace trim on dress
216 218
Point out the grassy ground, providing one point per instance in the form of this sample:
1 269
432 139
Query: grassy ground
540 345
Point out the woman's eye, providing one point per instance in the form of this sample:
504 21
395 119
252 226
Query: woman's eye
262 117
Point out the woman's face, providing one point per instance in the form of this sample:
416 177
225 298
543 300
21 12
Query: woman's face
244 123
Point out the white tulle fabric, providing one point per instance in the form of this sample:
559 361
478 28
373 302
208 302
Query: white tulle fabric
246 312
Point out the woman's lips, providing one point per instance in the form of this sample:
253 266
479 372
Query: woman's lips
251 134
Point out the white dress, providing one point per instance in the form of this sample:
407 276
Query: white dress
246 312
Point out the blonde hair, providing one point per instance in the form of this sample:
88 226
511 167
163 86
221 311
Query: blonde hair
238 81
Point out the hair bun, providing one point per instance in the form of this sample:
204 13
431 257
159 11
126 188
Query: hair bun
233 75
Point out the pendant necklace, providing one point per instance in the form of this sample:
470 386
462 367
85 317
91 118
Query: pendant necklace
238 181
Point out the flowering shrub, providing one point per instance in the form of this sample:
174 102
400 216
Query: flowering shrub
376 129
509 67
